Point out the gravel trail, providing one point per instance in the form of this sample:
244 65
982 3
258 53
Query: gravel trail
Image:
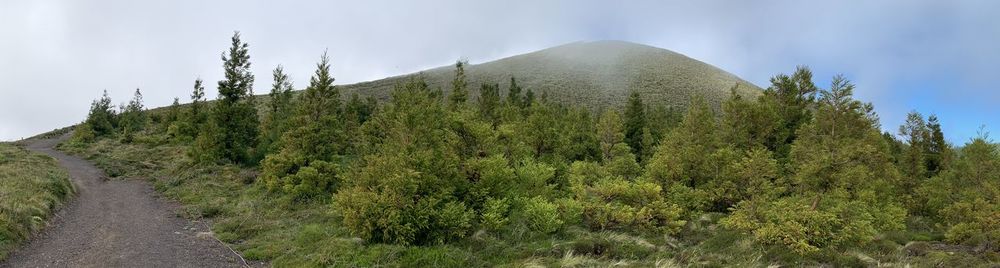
117 223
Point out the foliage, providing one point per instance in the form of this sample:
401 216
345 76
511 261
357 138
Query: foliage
279 110
312 143
966 196
132 117
833 201
32 186
459 87
233 113
405 190
102 118
635 124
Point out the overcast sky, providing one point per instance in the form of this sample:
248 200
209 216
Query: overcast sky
939 57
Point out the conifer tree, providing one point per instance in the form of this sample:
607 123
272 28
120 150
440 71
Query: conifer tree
795 96
102 118
459 87
234 113
635 122
843 185
529 98
133 117
194 118
939 154
609 132
912 162
275 123
489 102
407 191
304 167
514 97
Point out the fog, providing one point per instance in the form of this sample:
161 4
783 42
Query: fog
56 56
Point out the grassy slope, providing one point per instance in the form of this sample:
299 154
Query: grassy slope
593 74
31 186
267 227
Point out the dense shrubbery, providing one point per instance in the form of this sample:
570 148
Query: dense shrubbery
802 170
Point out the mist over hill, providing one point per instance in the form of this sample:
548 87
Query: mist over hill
593 74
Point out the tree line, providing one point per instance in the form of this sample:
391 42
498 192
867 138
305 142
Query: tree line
799 167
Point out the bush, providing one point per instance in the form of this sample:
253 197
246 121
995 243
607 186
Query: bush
538 215
615 203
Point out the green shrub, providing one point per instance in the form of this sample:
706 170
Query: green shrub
538 215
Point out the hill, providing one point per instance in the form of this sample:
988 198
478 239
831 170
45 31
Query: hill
594 74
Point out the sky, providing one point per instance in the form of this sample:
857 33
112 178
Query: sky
56 56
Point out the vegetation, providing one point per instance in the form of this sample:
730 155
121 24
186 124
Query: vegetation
795 175
31 187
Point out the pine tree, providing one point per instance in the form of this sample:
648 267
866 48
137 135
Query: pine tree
609 132
275 123
834 200
102 118
795 96
912 163
514 97
197 116
459 88
489 102
304 167
965 198
234 113
748 124
529 98
407 191
635 122
939 154
133 117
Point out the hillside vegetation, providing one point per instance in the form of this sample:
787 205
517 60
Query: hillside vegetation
31 187
452 173
596 74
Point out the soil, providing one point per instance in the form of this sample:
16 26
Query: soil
117 223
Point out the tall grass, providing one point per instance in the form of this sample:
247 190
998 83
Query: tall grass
31 187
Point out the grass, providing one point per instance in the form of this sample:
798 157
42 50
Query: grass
266 227
32 186
589 74
596 75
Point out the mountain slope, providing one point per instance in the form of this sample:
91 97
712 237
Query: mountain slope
594 74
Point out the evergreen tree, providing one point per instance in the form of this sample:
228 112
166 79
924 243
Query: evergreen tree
234 113
133 117
407 191
748 124
912 162
965 198
795 96
102 118
489 102
939 153
275 122
514 97
635 122
304 167
529 98
194 118
609 132
357 112
835 199
689 158
459 87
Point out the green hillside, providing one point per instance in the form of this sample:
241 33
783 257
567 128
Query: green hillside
593 74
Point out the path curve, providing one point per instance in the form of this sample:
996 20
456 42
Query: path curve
116 223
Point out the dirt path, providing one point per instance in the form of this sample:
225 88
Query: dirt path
117 223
